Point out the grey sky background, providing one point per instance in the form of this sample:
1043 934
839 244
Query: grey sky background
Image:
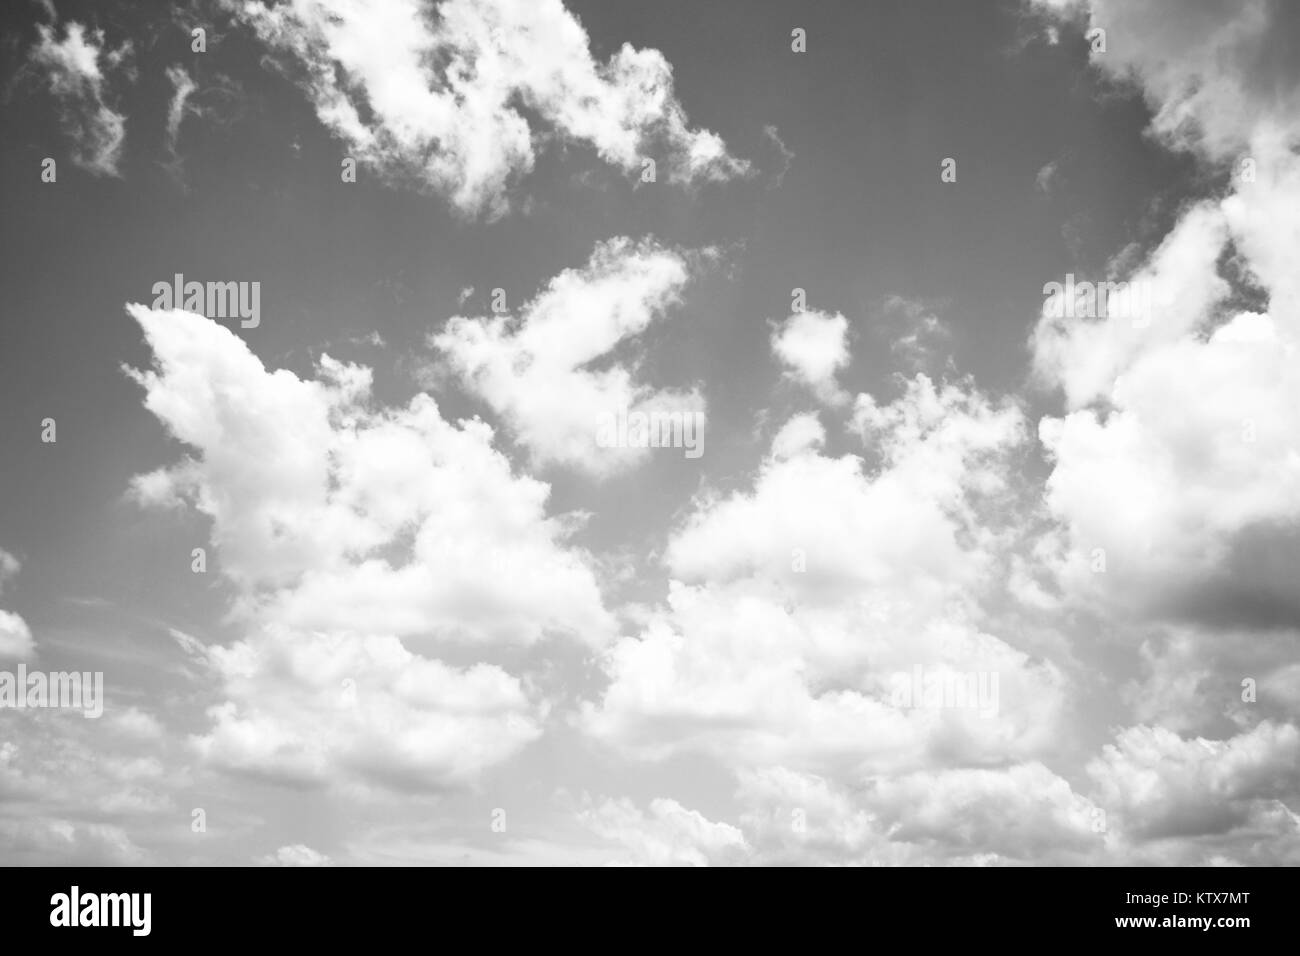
752 722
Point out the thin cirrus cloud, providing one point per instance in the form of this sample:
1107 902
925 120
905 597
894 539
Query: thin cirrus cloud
183 87
917 336
426 93
76 67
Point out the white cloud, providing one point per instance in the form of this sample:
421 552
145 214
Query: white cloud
667 834
52 842
1024 812
432 93
75 790
1158 799
1178 453
814 347
318 709
535 369
406 604
964 816
136 723
16 639
1177 459
917 335
1048 176
1158 784
15 636
794 607
1084 355
793 818
787 154
1198 452
358 539
298 854
9 566
1195 679
800 434
1214 74
183 87
76 68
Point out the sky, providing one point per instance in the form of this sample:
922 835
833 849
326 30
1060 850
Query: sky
952 571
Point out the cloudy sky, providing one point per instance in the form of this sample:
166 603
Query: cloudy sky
435 620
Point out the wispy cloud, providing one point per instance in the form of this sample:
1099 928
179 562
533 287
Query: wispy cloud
76 68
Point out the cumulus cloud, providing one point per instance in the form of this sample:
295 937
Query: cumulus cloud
74 791
1022 813
1214 75
666 834
1159 785
800 434
1190 477
50 842
447 95
1154 798
359 539
15 636
1180 287
1175 462
813 346
409 612
537 370
795 608
76 68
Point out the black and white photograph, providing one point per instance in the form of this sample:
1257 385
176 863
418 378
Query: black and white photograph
584 433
